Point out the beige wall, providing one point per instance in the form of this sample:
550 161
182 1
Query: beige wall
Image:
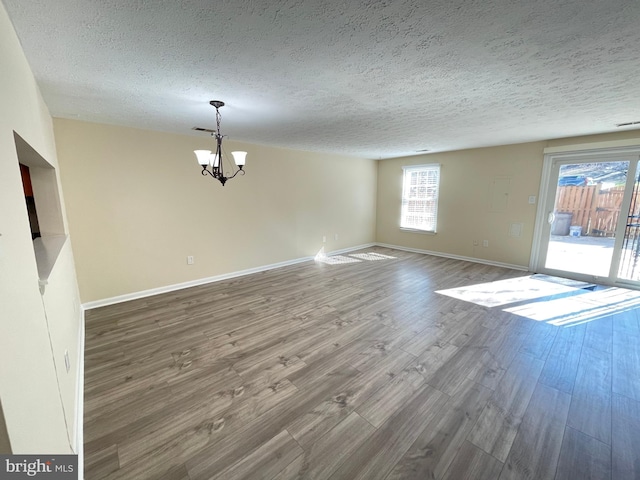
466 209
137 206
466 212
30 352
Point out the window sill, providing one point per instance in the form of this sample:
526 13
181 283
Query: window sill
413 230
47 249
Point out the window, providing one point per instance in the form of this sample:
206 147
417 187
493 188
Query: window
420 197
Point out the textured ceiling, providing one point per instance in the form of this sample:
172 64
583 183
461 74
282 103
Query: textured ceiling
372 79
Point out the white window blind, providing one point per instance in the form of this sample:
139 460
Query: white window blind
420 197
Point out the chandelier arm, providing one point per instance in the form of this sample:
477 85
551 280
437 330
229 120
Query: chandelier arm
221 178
208 172
239 171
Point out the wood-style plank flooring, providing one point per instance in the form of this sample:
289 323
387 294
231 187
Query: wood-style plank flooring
358 371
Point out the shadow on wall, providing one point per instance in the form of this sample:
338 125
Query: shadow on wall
5 445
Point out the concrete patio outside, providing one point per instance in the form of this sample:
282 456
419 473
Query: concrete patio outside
588 255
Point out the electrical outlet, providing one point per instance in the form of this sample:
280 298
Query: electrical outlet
190 260
532 199
475 243
485 243
335 237
67 362
324 239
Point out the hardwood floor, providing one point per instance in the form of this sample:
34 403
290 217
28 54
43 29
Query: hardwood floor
357 371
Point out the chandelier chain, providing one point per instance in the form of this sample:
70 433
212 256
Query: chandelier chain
218 119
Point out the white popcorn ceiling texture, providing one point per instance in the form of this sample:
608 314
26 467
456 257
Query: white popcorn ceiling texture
373 79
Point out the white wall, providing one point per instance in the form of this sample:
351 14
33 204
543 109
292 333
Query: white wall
35 389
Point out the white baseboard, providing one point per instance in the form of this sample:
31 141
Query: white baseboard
194 283
226 276
456 257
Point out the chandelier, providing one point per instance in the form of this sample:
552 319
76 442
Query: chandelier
212 163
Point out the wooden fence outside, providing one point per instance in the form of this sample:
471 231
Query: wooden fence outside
594 209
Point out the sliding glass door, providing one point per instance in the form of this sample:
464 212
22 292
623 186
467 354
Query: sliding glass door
589 226
629 267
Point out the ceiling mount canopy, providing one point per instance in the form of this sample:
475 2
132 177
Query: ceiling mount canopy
212 163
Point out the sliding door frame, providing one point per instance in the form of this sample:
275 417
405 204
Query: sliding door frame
547 185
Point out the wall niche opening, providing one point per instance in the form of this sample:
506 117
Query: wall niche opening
31 203
44 208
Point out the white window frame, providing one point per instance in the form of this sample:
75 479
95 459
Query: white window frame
428 224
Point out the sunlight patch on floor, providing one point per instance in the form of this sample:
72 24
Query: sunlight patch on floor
579 309
351 258
371 256
336 259
503 292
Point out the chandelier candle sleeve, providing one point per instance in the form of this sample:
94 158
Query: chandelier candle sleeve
212 163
